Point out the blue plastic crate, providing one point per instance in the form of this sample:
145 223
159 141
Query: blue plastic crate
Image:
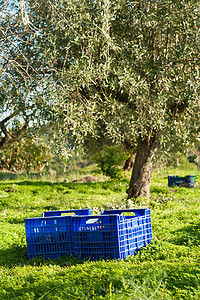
111 235
78 212
187 181
51 235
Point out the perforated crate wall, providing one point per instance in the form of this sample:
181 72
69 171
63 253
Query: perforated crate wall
49 237
111 235
52 235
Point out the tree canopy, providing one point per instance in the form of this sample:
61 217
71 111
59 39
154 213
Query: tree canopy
123 71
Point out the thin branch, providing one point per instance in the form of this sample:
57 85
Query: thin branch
8 136
196 94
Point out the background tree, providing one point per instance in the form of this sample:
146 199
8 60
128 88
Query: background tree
22 82
26 154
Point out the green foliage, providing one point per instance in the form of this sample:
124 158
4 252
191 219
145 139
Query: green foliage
180 161
122 74
110 160
25 154
168 268
119 72
125 77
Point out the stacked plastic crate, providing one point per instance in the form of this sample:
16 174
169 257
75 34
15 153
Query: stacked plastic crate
51 235
187 181
111 235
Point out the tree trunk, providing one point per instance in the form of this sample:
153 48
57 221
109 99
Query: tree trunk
139 185
129 163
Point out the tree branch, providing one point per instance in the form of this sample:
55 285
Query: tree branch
8 136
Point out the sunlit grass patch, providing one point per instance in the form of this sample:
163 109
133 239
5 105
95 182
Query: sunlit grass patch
168 268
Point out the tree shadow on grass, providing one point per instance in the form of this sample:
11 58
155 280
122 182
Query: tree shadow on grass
187 236
13 256
179 282
83 188
62 186
182 280
16 255
35 183
103 184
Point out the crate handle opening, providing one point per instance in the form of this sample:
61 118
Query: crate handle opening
58 213
92 221
136 212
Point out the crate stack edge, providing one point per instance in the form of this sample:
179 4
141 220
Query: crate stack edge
51 236
111 235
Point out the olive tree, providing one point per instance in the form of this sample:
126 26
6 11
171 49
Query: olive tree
124 71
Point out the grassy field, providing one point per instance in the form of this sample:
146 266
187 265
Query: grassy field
168 268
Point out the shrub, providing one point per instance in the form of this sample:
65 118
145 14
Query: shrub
110 161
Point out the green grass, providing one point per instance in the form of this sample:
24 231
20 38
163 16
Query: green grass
168 268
